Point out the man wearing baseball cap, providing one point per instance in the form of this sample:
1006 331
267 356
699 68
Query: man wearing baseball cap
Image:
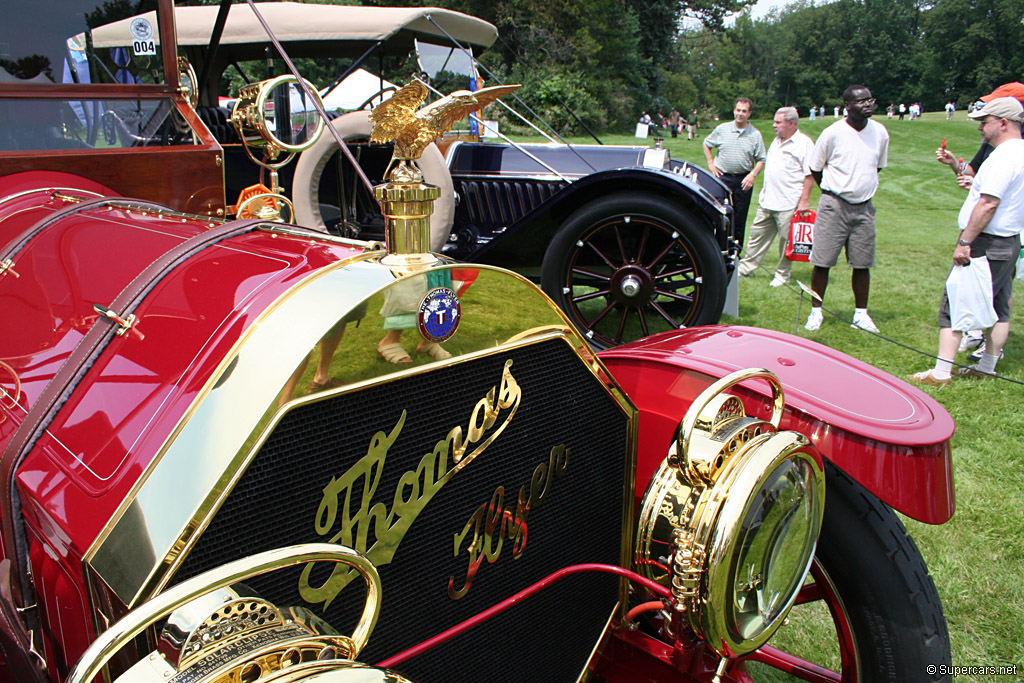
991 221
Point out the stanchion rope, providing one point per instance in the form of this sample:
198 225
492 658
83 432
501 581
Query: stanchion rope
804 288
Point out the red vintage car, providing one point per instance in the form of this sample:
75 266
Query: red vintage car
207 435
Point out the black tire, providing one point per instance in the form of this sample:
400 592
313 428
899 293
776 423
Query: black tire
885 609
631 264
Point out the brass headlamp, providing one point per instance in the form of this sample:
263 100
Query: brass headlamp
731 518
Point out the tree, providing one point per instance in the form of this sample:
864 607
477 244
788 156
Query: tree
970 47
613 57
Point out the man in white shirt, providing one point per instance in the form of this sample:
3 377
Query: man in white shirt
786 166
991 221
846 161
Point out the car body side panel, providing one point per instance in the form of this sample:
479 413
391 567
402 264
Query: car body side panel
190 179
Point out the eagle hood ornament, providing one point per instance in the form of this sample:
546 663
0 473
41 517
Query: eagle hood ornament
397 120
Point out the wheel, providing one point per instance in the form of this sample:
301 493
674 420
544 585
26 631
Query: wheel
631 264
869 594
355 126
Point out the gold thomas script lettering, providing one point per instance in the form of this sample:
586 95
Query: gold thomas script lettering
352 493
492 524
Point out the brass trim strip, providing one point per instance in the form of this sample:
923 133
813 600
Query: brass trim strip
284 229
55 193
95 550
613 621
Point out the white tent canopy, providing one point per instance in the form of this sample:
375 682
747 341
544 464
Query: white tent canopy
355 90
7 77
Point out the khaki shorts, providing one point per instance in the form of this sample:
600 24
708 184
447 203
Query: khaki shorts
841 224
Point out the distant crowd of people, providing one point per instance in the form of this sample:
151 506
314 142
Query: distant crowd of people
675 123
913 111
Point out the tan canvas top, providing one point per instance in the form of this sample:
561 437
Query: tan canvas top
293 21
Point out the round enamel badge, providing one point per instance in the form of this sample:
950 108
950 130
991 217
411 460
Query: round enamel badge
439 314
140 28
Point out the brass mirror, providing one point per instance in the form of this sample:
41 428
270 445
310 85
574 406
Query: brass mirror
275 116
278 115
188 83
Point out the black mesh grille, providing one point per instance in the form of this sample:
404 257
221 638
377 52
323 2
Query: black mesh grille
548 637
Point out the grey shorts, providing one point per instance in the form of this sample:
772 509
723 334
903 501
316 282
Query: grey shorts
841 224
1002 255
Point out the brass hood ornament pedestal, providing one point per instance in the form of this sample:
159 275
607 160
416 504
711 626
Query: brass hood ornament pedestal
406 200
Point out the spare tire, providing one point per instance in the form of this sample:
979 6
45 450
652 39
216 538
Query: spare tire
354 126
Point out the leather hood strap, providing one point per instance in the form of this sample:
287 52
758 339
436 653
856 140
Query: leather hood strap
14 586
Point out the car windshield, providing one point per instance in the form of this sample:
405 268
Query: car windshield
52 42
447 68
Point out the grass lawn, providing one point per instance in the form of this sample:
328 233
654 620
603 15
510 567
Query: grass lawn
976 559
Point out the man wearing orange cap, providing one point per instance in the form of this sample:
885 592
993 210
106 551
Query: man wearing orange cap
991 221
944 156
964 177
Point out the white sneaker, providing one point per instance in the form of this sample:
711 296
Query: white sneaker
776 282
971 340
864 322
976 356
814 320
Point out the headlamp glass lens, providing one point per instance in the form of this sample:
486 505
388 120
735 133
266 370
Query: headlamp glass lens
779 535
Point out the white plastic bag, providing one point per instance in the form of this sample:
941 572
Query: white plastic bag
1020 266
969 289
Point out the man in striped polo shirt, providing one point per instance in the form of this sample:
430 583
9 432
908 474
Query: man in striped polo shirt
740 158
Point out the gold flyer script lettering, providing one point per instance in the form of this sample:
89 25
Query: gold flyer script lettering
352 493
491 524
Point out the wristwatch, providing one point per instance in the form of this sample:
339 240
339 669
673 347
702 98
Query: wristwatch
963 243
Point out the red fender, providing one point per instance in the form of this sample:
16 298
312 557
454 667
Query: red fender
889 436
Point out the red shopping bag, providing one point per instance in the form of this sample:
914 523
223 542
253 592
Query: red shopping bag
801 236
